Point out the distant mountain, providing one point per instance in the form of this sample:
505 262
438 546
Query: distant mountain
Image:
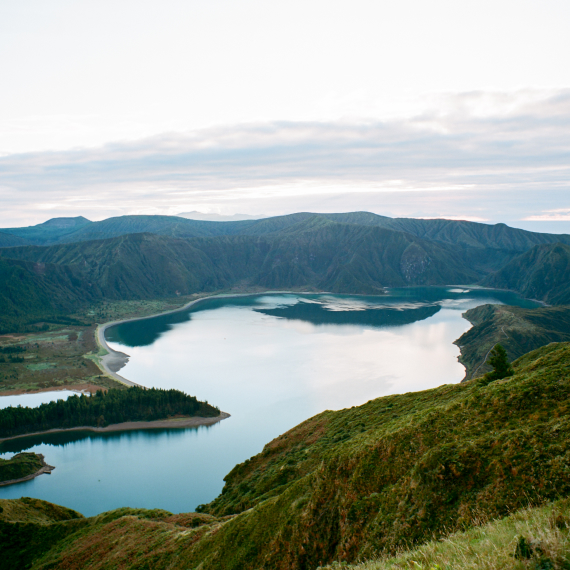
542 273
9 240
50 231
499 240
318 254
194 215
144 257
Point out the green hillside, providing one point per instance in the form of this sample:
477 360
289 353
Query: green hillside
517 330
34 291
9 240
542 273
314 254
354 484
536 538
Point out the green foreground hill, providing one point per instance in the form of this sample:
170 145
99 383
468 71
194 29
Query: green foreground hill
354 484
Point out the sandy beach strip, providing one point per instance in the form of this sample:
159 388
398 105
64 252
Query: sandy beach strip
171 423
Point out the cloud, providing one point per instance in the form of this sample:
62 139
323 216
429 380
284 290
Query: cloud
556 215
479 156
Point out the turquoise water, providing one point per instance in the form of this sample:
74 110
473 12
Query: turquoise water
271 361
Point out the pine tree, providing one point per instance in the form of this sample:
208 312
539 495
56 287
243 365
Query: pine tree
499 360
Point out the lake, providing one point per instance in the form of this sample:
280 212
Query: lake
271 361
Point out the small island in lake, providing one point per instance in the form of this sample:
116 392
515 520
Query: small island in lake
22 467
108 411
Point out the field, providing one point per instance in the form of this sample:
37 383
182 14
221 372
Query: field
64 356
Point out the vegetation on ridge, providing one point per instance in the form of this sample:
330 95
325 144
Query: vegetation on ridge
537 538
354 484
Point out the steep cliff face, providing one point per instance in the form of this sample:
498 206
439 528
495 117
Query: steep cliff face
542 273
414 264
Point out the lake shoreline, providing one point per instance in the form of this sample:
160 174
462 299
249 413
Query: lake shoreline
175 423
79 388
111 362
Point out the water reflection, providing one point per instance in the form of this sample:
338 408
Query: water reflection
35 399
61 439
320 314
271 361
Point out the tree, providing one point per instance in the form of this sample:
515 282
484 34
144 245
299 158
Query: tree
499 360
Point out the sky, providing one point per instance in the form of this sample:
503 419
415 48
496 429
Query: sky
448 108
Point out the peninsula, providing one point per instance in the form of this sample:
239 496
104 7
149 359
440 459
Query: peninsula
113 410
22 467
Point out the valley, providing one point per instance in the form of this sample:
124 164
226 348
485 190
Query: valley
426 458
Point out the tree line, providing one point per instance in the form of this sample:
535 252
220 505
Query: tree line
103 408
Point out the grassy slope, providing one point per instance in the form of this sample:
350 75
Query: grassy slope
542 273
392 473
492 546
518 330
30 527
18 466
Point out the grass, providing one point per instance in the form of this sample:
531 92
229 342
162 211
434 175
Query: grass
371 481
496 545
68 355
41 366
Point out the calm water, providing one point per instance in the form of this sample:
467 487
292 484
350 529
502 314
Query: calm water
271 361
34 400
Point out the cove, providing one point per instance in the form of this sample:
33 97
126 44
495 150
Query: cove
271 361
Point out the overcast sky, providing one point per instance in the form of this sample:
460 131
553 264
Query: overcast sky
444 108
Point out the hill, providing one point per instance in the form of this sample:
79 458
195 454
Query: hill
518 330
396 472
19 466
33 291
542 273
9 240
531 538
50 231
314 254
499 237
